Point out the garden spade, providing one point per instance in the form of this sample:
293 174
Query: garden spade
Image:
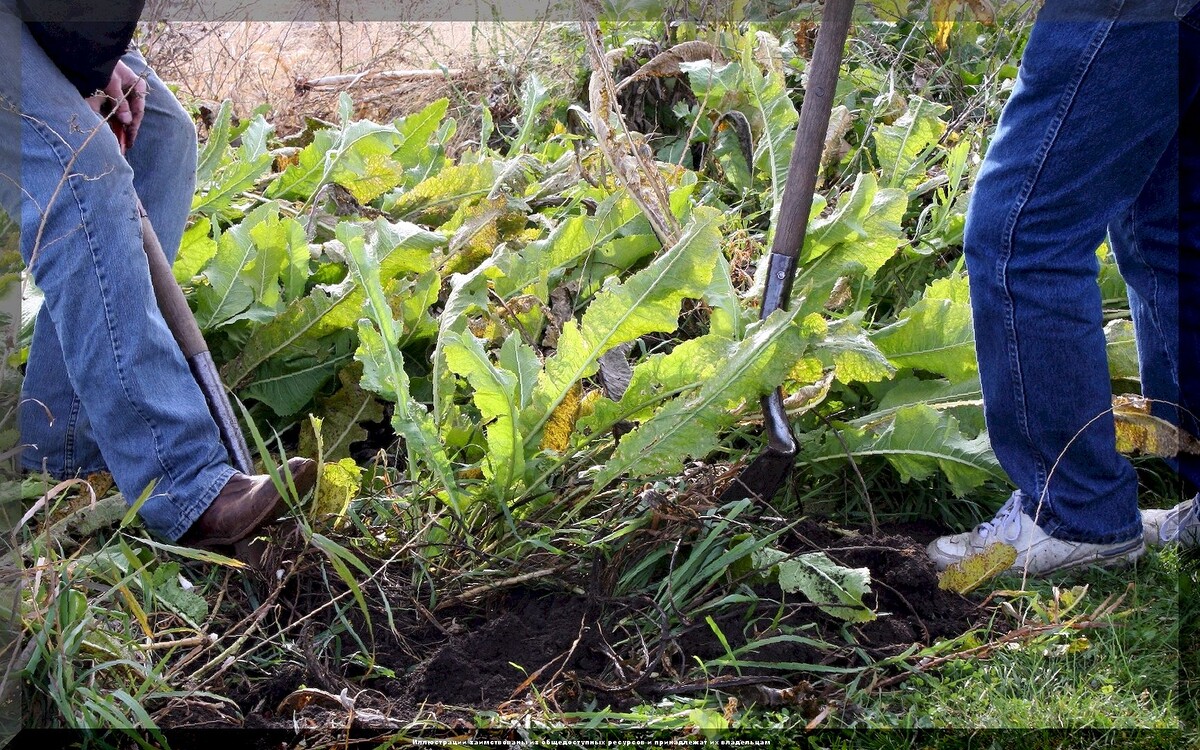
764 476
183 326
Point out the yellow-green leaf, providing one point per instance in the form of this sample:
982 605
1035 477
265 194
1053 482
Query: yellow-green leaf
340 483
1139 431
975 570
556 436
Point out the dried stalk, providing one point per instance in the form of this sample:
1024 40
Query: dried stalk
347 80
632 162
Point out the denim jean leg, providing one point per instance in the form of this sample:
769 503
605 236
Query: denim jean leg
1091 115
1189 241
56 426
164 159
81 237
1145 241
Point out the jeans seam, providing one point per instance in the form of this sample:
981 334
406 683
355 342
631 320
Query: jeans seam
53 143
1136 244
69 437
1044 499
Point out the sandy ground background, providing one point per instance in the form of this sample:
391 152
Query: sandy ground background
276 63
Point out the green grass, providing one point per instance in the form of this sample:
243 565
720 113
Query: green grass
1123 676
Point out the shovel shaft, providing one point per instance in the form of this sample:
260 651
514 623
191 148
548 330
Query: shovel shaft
171 302
810 132
205 372
766 474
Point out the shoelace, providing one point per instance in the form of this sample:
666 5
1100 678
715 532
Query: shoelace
1176 522
1008 514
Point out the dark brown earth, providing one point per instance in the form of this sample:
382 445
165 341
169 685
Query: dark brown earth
463 658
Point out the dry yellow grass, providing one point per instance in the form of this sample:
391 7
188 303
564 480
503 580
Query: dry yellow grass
273 63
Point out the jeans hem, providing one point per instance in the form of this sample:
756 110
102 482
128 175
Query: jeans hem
192 511
61 476
1058 529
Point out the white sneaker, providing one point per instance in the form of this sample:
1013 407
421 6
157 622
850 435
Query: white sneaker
1179 524
1038 553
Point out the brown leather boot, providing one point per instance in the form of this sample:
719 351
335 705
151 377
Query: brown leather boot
245 505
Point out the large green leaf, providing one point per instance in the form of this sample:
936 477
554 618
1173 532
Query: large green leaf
901 146
214 147
1122 350
534 98
363 161
570 242
918 441
854 357
383 365
467 291
861 234
289 382
227 293
237 172
656 380
195 251
326 309
935 334
415 153
342 415
835 589
691 425
275 241
367 158
436 199
496 393
400 247
164 583
302 179
648 302
776 125
963 399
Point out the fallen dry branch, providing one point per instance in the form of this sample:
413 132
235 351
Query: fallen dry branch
478 591
347 80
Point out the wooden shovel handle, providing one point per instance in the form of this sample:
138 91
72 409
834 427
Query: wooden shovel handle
170 297
810 132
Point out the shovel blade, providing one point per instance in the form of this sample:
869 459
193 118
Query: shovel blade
767 472
762 479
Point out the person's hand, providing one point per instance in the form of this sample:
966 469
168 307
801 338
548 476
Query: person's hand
125 98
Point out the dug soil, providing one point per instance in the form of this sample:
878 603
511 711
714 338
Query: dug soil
572 650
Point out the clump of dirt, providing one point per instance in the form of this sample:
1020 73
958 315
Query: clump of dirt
904 584
477 667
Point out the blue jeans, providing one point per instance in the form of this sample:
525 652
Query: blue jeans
106 386
1092 142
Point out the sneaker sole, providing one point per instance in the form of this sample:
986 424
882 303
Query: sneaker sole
1113 559
1116 558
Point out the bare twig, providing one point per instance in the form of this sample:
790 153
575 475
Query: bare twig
196 640
347 80
487 588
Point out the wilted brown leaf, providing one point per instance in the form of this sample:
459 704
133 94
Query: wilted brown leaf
668 63
1139 431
